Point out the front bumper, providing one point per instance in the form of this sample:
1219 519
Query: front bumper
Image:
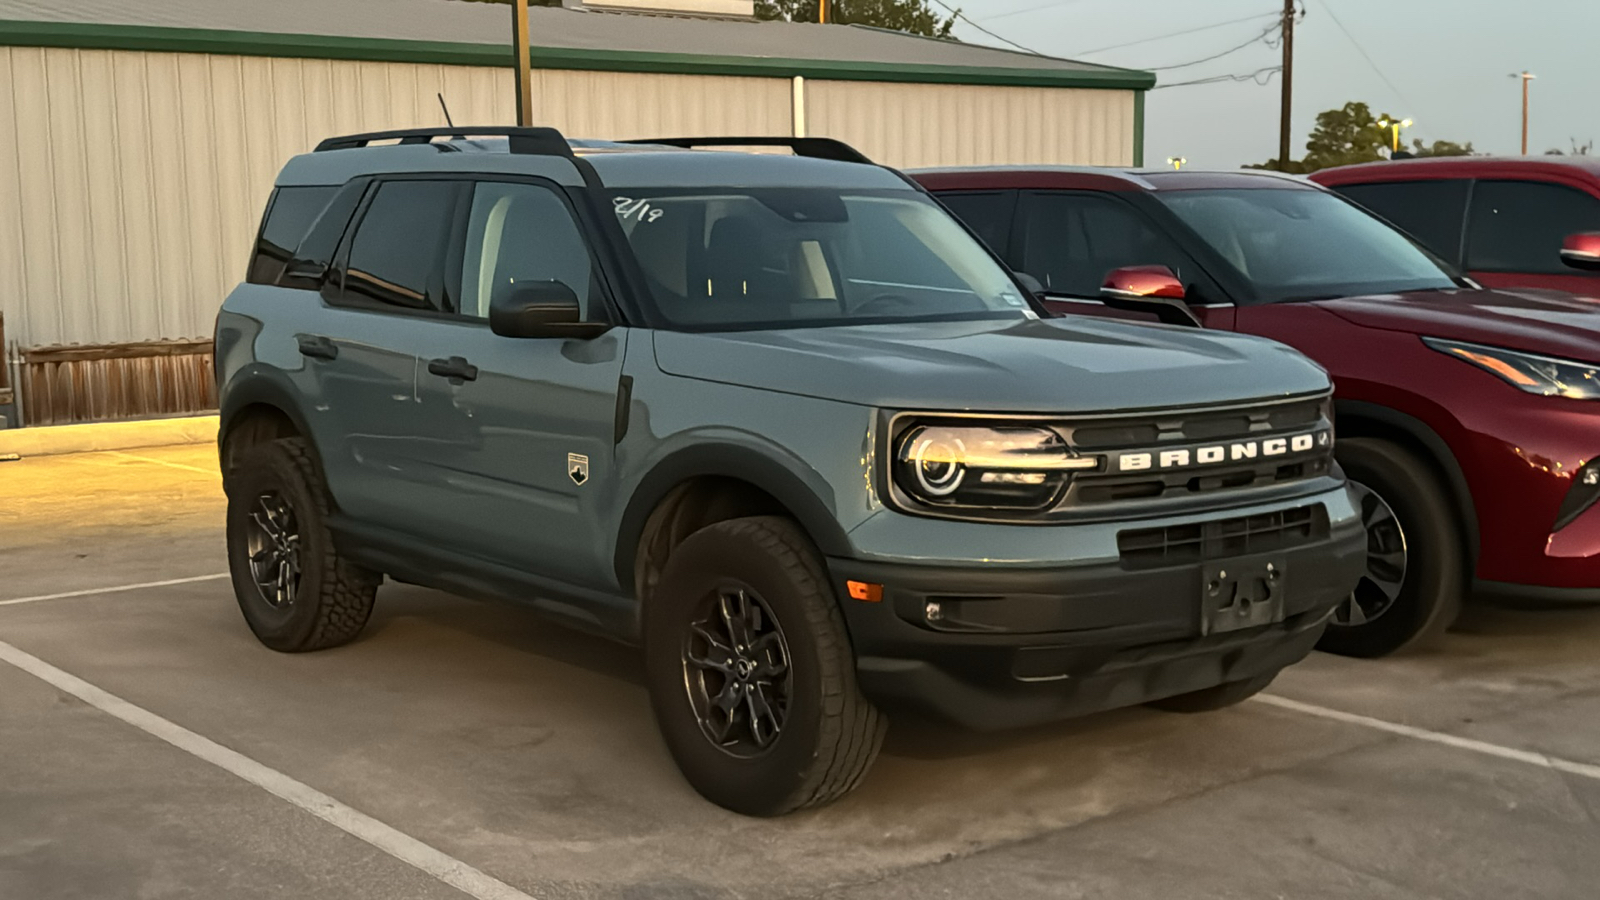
1006 647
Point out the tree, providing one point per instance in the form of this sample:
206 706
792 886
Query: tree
1351 134
1442 149
913 16
1578 149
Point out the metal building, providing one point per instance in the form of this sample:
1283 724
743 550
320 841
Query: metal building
138 140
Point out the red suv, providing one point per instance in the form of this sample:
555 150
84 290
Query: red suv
1522 222
1467 417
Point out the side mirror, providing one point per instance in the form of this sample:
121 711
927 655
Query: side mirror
1582 251
1148 289
1031 284
540 309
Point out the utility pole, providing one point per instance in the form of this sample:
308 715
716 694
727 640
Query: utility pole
519 25
1526 77
1288 84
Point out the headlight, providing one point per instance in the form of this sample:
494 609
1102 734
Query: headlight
1533 373
1006 467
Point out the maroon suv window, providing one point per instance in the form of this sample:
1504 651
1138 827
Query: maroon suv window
1518 226
1433 212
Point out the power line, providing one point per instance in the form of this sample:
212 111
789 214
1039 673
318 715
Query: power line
1264 37
1024 11
1262 77
1359 49
1162 37
962 16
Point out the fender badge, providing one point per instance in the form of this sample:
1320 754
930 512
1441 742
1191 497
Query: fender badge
578 467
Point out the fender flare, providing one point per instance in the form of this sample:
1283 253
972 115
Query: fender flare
734 461
1423 434
261 388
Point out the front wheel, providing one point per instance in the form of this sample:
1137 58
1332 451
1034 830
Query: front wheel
751 672
1411 591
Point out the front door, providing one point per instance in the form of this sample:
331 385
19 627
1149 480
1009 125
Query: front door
1515 230
521 432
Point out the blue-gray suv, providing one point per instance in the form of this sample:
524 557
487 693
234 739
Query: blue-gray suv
778 418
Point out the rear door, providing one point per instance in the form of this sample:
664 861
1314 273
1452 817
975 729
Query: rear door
1515 230
361 351
520 433
1070 241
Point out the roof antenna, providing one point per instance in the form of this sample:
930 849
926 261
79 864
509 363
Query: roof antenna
447 119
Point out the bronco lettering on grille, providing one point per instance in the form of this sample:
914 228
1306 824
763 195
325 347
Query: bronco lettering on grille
1215 454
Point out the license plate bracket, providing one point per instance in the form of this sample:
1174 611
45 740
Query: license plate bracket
1242 593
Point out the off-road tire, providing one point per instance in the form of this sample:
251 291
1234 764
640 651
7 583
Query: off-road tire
1217 697
1430 595
335 596
831 733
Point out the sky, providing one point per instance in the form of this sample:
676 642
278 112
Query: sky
1445 64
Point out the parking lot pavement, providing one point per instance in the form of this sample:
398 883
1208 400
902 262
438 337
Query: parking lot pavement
527 752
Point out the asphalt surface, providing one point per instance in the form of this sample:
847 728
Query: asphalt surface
526 754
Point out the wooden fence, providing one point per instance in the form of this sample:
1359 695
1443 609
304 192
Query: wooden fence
98 382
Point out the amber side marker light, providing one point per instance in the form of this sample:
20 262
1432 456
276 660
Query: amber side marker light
865 591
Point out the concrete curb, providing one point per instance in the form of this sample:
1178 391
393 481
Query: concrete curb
55 439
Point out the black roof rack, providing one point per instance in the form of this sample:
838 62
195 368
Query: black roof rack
536 141
816 147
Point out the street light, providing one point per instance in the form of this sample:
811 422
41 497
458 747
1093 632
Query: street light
1526 77
1404 123
1176 161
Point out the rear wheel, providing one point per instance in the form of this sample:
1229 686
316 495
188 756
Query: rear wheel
296 591
1411 591
751 672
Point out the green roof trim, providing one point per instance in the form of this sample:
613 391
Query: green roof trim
1138 129
315 46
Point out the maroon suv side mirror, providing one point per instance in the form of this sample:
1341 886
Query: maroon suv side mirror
1582 251
1148 289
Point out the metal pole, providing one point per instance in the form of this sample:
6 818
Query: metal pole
1525 80
1288 84
519 26
822 11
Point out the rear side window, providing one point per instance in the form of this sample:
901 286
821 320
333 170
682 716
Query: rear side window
397 253
289 216
1518 226
1071 241
988 214
1433 212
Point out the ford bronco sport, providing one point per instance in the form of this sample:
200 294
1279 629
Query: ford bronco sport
778 418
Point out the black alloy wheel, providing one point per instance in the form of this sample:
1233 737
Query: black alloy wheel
1380 587
737 671
273 542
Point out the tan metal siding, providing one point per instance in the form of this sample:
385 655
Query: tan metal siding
913 125
623 105
131 183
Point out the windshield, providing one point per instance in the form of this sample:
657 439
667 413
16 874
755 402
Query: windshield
1306 244
721 258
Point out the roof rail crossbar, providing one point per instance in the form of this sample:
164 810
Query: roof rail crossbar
533 141
816 147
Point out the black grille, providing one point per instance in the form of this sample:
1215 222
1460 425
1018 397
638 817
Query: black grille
1149 548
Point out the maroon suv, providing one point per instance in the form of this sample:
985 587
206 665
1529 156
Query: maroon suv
1521 222
1467 417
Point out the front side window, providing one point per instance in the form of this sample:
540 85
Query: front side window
1306 244
1072 241
1433 212
520 233
397 254
1518 226
723 258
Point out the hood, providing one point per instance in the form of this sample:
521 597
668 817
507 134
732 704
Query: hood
1537 321
1075 364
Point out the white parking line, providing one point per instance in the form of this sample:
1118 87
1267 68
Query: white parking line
162 462
397 844
1584 770
113 590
